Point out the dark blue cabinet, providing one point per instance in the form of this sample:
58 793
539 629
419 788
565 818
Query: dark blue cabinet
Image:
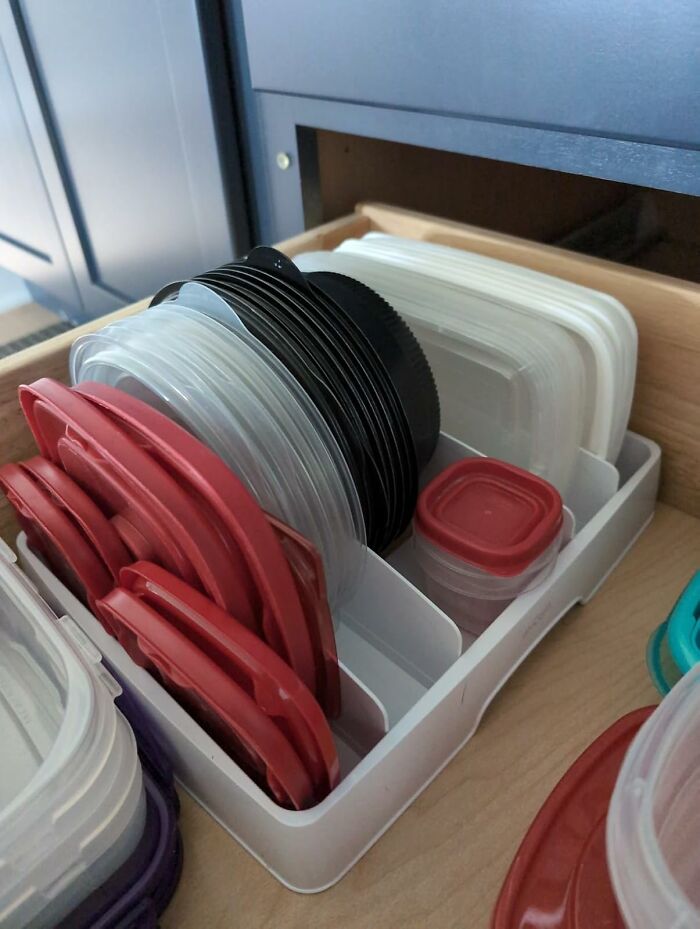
120 168
609 90
135 170
30 240
623 70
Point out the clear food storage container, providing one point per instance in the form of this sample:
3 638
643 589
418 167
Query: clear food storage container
72 805
485 531
653 827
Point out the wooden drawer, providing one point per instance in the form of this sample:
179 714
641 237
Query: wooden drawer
666 310
442 863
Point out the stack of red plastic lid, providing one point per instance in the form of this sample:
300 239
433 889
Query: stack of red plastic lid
225 605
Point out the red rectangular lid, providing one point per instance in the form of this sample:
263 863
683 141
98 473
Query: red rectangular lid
491 514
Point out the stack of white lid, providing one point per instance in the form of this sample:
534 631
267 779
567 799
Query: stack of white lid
72 805
529 367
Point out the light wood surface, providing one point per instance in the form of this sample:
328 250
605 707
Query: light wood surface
25 320
441 865
327 236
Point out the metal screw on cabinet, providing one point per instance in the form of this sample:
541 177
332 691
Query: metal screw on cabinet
283 161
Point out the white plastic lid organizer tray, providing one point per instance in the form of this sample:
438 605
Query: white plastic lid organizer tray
295 417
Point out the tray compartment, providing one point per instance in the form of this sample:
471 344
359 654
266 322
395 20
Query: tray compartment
363 722
396 641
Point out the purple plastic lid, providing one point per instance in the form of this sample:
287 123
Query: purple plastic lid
138 892
152 750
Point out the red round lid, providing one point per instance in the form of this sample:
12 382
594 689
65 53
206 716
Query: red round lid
491 514
53 534
139 546
132 416
255 553
136 524
66 424
66 494
307 568
218 703
559 877
263 675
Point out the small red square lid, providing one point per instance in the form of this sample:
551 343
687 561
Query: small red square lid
491 514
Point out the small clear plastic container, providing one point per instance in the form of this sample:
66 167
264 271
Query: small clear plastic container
471 597
237 398
511 385
653 824
72 805
485 532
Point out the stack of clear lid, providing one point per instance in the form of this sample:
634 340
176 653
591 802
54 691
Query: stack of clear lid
529 367
231 392
72 801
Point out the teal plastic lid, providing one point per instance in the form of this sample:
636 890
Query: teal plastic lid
663 670
674 647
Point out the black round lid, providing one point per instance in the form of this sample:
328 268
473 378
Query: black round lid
399 351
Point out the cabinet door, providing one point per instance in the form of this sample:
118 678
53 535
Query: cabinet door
30 241
620 70
126 98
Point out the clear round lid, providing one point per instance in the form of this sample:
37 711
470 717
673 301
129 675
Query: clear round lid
238 399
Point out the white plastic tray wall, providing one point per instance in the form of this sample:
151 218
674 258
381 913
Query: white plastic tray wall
413 691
